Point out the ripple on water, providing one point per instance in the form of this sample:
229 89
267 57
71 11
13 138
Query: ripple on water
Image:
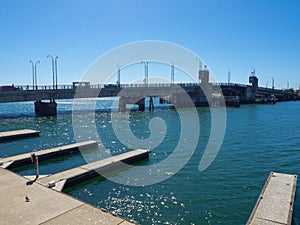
259 139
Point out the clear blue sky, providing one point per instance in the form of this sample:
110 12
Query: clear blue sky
226 34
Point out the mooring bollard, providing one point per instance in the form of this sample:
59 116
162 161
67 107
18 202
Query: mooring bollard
35 160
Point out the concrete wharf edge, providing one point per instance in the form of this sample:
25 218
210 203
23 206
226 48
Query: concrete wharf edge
24 159
17 134
45 206
275 203
85 172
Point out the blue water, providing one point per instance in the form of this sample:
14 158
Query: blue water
259 139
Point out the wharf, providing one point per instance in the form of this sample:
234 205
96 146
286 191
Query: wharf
24 159
45 206
275 204
71 177
17 134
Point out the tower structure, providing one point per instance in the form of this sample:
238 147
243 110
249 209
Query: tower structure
204 75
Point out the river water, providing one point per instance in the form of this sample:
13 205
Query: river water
258 139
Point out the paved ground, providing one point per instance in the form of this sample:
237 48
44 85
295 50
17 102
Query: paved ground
45 206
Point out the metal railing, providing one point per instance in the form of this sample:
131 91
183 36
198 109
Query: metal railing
98 86
141 85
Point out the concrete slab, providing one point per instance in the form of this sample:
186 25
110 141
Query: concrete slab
16 134
44 206
62 176
24 159
258 221
91 170
83 215
127 157
275 204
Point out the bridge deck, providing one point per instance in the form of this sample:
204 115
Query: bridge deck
73 176
45 206
16 134
275 204
24 159
134 90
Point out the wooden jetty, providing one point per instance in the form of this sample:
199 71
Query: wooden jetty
71 177
17 134
36 204
25 159
275 204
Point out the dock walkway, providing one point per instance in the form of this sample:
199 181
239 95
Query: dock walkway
275 204
24 159
73 176
17 134
45 206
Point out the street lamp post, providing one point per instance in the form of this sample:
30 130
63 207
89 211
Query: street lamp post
56 72
50 56
36 87
172 73
119 75
146 73
34 74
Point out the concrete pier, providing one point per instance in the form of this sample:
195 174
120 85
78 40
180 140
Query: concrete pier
17 134
36 204
275 204
71 177
24 159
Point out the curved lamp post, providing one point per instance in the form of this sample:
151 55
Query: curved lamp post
36 87
55 64
34 74
54 70
50 56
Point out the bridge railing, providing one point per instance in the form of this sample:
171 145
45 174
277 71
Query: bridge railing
98 86
230 84
153 85
42 87
141 85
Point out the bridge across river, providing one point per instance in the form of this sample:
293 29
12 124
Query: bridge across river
38 93
200 94
128 93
